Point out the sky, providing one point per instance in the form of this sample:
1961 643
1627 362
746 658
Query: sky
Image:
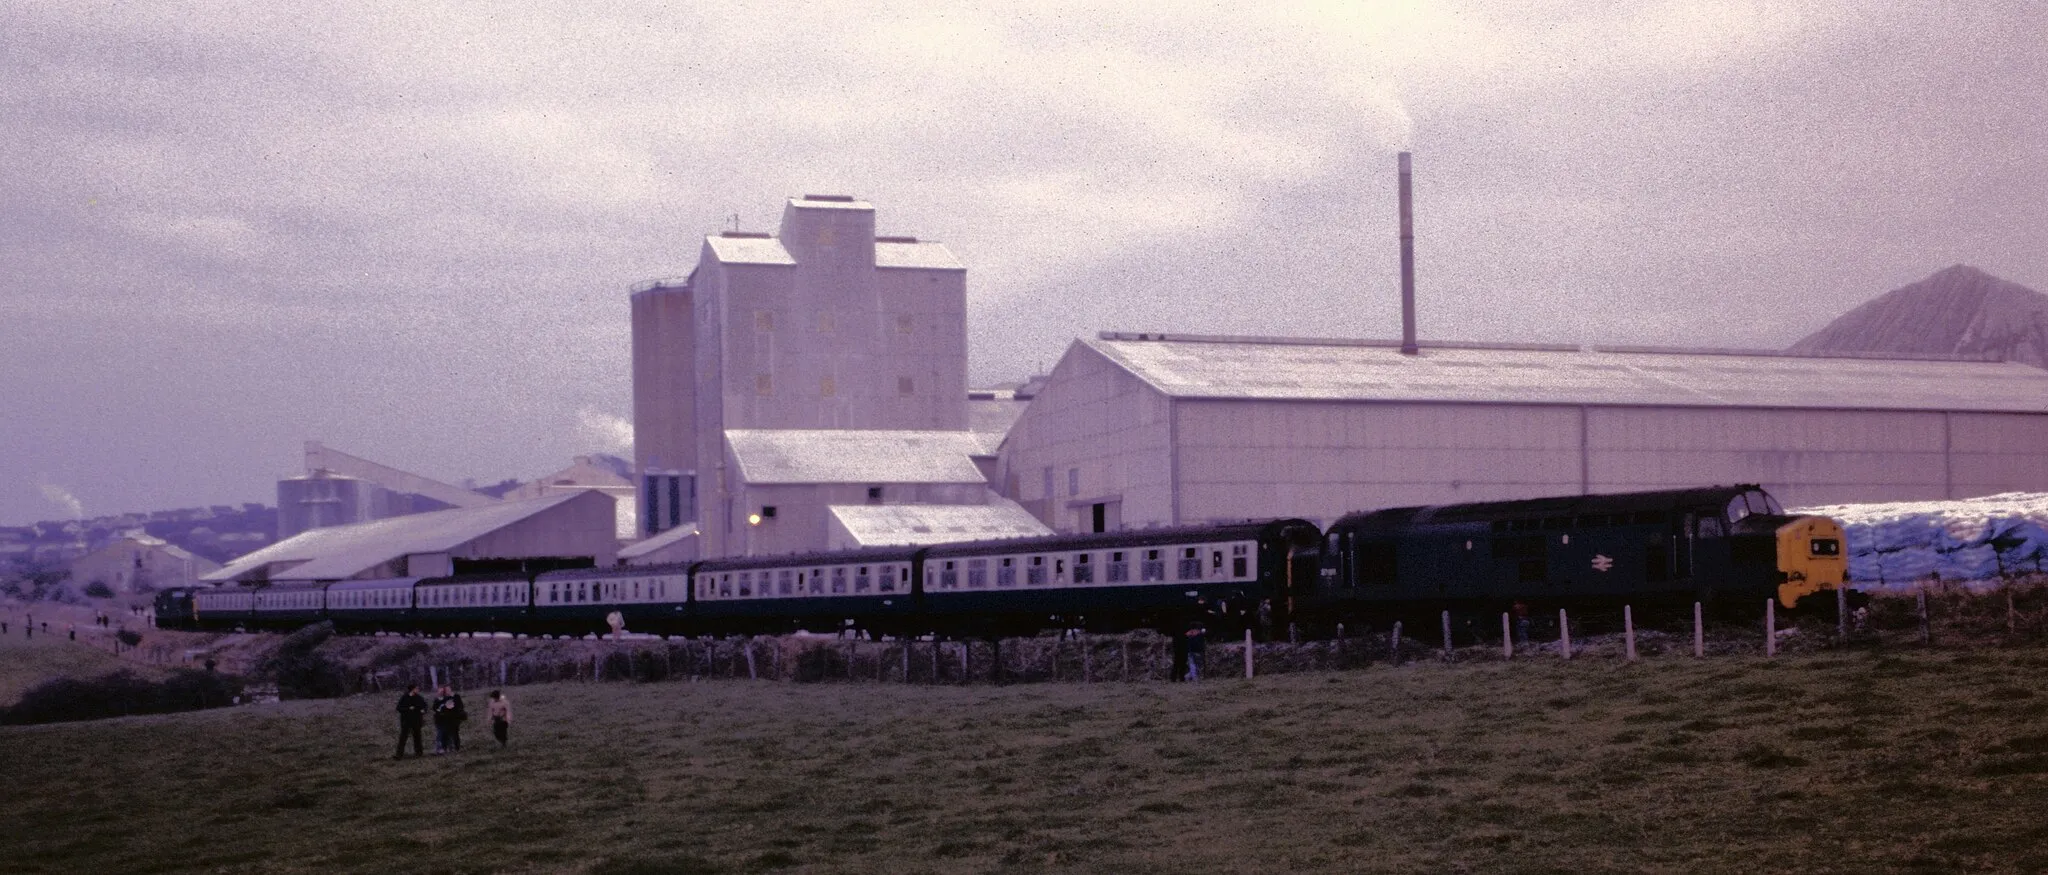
409 230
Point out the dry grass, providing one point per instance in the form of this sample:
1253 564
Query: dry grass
1834 762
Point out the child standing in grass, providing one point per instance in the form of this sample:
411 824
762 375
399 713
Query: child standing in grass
501 718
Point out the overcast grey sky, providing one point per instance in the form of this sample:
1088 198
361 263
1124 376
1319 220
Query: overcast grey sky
408 229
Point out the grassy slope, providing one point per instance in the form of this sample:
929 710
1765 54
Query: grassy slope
1933 761
25 662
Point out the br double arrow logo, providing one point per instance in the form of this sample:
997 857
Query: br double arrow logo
1602 562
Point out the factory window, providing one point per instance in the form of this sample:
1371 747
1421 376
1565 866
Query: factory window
906 386
826 388
1047 478
905 324
1073 481
1119 568
764 320
826 323
1034 575
874 495
1083 572
1006 573
764 385
977 573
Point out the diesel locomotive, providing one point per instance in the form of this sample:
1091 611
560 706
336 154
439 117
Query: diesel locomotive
1726 543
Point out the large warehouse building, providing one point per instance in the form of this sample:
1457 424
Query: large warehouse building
1137 430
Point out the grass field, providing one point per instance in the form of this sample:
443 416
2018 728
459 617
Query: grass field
1851 762
25 662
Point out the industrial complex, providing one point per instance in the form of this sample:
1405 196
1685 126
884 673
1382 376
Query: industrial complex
806 390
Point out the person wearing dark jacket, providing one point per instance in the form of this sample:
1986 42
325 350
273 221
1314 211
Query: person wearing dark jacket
448 717
412 715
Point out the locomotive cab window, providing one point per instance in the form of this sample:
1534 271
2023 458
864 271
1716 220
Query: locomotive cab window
1825 547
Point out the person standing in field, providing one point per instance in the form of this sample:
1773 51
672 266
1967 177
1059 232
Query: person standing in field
448 717
1198 641
412 715
501 718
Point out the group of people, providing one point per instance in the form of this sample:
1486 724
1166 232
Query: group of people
449 715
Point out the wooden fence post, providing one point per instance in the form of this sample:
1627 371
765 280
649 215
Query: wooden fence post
1628 628
1507 638
1394 644
1447 635
748 645
1564 633
1699 633
1770 627
1248 654
1926 630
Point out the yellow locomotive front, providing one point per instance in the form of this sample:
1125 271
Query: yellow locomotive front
1811 558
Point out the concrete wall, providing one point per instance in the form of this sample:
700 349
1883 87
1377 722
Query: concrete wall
1096 434
803 519
1320 460
664 388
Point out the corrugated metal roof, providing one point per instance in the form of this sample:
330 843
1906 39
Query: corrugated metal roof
855 456
924 254
658 542
990 421
877 525
340 552
748 250
1286 369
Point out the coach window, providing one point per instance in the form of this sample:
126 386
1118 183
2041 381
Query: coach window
1191 563
1238 560
977 573
746 584
1006 572
888 583
948 577
1153 568
839 581
817 581
725 585
1119 568
1059 571
1034 575
1083 571
782 581
861 579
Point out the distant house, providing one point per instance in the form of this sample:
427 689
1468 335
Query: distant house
137 562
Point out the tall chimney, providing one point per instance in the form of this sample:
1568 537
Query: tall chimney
1407 261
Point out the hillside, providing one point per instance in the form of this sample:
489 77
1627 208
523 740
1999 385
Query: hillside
1958 311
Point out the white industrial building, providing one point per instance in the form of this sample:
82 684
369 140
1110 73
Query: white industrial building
749 375
139 562
1136 430
566 529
